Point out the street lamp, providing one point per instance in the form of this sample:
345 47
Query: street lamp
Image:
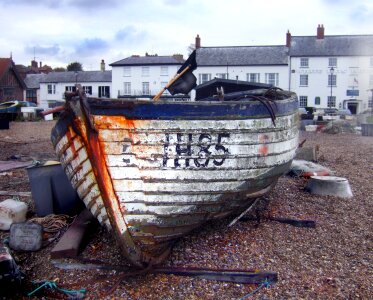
331 86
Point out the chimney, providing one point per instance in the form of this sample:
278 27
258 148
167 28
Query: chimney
40 64
288 39
198 42
34 64
320 32
178 57
102 65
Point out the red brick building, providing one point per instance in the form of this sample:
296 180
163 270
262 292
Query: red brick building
11 83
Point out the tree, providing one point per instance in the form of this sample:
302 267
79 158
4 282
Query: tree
74 66
59 69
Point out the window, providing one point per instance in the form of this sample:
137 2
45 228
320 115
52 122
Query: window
145 71
87 89
332 80
51 88
332 61
253 77
126 71
303 101
272 78
31 96
331 101
164 71
222 75
127 88
104 91
317 100
69 88
145 88
304 62
163 84
370 103
303 80
371 81
204 78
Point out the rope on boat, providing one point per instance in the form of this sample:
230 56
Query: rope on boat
52 223
265 284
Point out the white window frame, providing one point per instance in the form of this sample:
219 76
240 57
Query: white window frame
51 89
331 101
145 88
304 62
253 77
272 78
70 88
164 71
204 77
303 80
145 71
332 80
87 89
303 101
126 88
126 71
333 62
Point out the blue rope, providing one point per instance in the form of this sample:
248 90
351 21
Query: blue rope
265 284
53 285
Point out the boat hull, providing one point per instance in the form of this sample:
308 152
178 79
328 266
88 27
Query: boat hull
154 178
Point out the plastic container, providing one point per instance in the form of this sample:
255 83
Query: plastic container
51 190
12 211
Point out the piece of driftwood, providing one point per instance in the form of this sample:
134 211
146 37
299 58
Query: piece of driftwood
71 242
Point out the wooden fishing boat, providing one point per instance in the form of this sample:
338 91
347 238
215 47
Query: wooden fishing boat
153 171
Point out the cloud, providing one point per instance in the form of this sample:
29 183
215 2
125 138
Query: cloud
55 4
43 50
90 47
129 34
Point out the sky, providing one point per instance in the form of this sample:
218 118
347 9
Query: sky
58 32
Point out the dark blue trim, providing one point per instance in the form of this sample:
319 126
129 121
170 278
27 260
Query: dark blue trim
163 110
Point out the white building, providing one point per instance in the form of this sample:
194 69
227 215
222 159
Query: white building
143 76
54 85
332 71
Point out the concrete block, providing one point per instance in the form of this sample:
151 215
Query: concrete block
26 236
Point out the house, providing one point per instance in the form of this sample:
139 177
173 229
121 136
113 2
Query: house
11 83
143 76
54 85
259 64
32 91
34 68
331 71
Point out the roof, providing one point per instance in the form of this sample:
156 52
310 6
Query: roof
5 64
80 76
242 56
332 45
33 80
148 60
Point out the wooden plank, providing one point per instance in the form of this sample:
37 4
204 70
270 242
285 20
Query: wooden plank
11 193
72 241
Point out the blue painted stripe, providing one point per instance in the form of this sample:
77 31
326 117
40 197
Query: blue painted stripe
162 110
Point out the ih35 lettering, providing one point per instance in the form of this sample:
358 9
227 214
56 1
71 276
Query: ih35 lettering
202 150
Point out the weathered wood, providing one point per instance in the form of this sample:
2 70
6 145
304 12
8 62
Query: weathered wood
12 193
72 241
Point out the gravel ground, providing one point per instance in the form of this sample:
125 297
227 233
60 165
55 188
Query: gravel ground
332 261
